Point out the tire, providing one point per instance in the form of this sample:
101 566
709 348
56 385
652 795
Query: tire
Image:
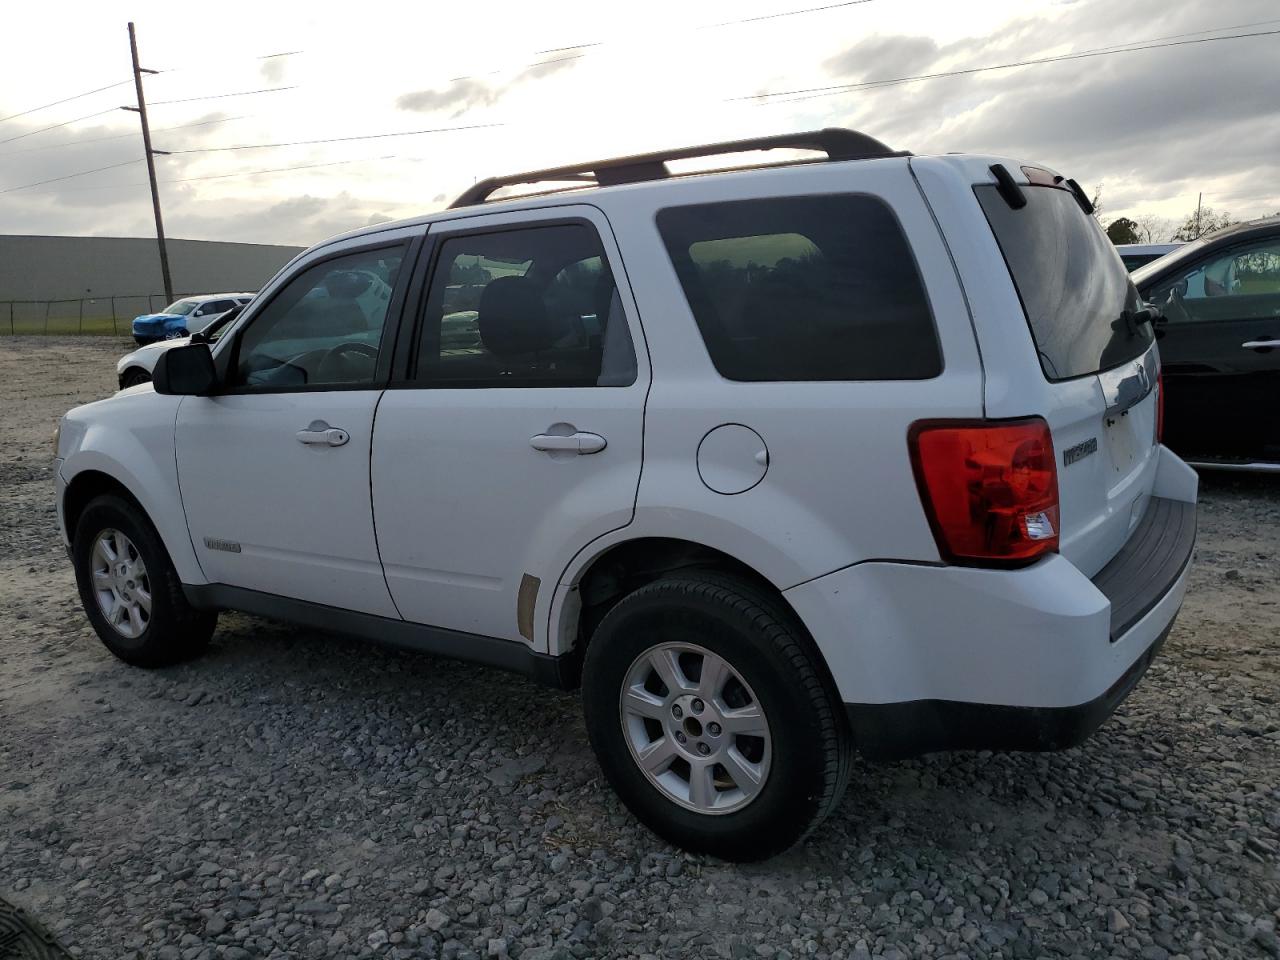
806 750
172 630
134 376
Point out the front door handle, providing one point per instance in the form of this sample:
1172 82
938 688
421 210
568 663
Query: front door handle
1260 344
581 443
320 433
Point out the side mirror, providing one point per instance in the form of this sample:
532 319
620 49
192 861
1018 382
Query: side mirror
185 371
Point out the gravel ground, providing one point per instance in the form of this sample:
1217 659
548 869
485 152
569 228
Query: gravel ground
298 794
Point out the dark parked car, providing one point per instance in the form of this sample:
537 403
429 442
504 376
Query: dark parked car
1220 345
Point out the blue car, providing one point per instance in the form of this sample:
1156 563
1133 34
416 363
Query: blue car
185 317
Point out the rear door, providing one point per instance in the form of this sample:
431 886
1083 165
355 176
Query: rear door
1060 341
516 438
1220 346
1097 364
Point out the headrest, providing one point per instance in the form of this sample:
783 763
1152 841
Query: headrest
513 319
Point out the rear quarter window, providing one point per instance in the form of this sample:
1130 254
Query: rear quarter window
803 288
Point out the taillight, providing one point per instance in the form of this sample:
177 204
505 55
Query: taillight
989 488
1159 406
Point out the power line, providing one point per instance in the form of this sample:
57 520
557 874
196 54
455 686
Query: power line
254 173
46 106
307 143
118 136
789 13
220 96
706 26
55 126
836 90
222 60
69 176
241 173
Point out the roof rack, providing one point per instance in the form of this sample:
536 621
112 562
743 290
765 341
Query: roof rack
836 142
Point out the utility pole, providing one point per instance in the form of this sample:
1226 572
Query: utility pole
141 111
1199 200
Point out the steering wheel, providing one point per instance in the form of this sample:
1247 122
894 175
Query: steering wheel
333 367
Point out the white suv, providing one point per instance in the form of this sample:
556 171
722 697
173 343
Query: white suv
776 463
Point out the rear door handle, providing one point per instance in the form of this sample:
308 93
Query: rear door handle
1260 344
321 434
581 443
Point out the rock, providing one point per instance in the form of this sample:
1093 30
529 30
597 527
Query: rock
436 920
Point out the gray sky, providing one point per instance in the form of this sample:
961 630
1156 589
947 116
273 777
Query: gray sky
1152 128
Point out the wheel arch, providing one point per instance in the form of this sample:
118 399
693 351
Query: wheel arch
599 579
91 474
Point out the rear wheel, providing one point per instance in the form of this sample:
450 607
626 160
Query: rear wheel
134 376
129 589
711 717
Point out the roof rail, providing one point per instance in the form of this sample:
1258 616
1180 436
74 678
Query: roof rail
836 142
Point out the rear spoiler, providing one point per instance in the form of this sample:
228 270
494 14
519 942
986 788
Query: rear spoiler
1011 190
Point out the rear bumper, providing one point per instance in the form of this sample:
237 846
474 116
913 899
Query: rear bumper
932 657
893 731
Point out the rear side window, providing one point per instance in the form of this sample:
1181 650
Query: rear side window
803 288
1075 292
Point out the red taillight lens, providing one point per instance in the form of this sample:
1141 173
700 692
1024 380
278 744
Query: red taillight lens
1160 406
990 488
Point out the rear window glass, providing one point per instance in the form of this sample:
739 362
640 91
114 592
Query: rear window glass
1075 292
803 288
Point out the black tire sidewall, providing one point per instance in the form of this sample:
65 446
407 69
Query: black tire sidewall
676 611
162 640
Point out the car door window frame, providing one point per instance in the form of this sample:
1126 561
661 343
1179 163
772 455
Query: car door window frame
407 375
226 360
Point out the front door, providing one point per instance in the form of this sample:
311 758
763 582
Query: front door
274 470
1220 351
518 437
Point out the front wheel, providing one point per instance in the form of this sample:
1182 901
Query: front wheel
712 718
129 589
134 376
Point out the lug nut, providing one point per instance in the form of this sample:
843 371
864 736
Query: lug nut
697 706
680 737
677 712
703 749
713 729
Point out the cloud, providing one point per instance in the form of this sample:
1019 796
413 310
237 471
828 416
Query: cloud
469 93
302 220
1152 126
459 97
273 69
877 56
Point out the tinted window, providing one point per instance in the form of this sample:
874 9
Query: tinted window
533 307
1075 291
1240 284
1132 261
803 288
324 327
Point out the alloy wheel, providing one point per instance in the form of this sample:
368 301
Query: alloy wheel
695 728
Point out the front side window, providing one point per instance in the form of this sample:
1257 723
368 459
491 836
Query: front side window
1243 283
324 328
531 307
803 288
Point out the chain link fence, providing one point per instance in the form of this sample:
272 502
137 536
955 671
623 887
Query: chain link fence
107 316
